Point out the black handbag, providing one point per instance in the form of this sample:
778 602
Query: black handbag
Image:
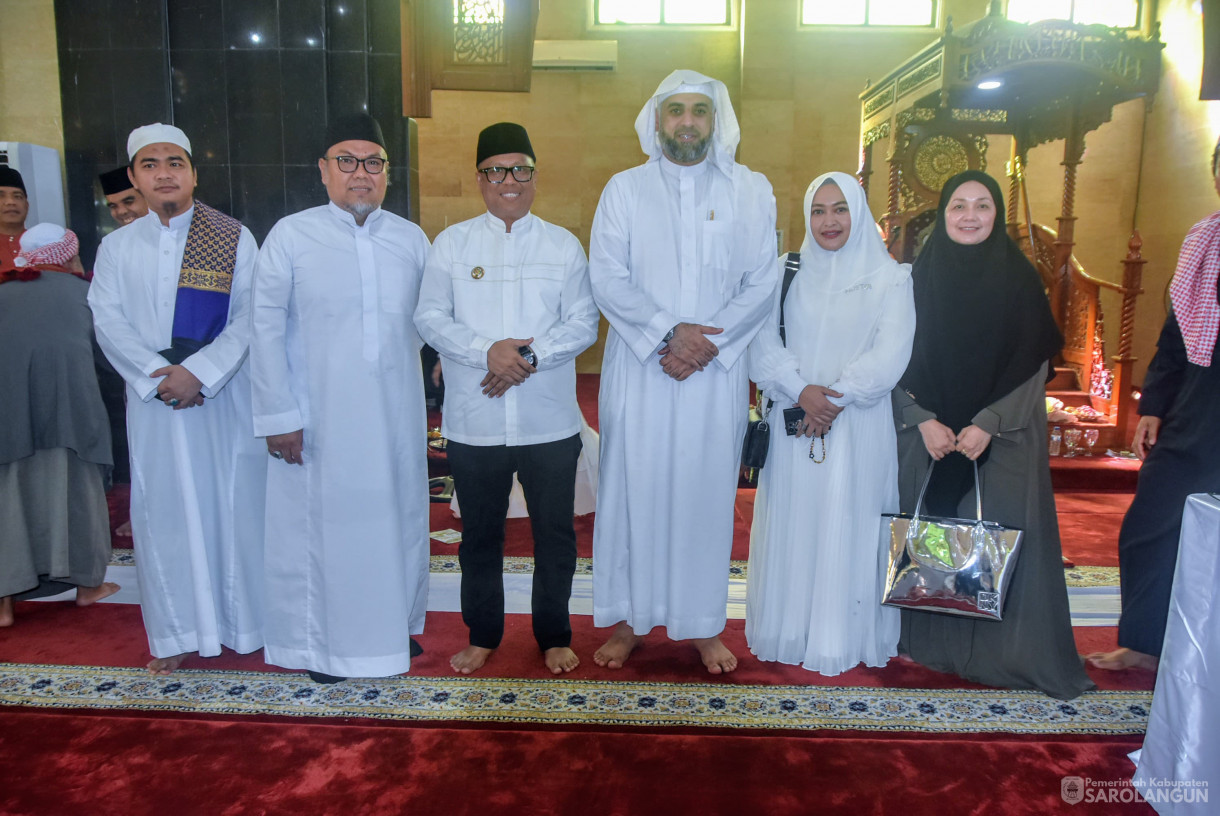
758 431
758 439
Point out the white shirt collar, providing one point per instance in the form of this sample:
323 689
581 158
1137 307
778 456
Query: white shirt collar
521 225
679 170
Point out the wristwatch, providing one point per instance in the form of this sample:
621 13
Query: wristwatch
669 335
528 355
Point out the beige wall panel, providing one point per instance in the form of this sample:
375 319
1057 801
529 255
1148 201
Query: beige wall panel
29 75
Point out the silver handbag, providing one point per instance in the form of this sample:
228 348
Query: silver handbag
957 566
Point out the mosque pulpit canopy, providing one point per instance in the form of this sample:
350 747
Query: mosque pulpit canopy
932 117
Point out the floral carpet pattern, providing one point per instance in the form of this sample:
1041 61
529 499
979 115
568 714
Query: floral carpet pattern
576 702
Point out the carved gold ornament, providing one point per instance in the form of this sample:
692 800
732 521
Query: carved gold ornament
938 159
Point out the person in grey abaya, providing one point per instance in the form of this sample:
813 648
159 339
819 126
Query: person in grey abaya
974 393
55 438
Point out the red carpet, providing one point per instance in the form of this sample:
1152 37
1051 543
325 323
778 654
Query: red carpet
62 763
1089 522
1088 526
1092 495
144 762
113 635
1094 473
519 542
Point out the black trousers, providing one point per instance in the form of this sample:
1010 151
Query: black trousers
1148 540
483 479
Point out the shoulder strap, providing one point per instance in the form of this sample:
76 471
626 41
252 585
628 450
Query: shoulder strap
791 265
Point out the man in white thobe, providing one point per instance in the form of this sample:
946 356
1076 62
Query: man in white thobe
338 394
682 262
171 306
507 304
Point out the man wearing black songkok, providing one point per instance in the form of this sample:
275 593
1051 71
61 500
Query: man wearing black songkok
506 301
124 201
338 396
14 206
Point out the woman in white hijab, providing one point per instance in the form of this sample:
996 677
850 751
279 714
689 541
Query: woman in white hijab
848 319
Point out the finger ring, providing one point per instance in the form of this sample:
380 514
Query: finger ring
173 402
276 455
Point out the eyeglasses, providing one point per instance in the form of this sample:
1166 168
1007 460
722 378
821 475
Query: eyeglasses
348 164
522 173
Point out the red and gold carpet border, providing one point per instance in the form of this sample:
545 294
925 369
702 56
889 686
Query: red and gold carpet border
561 701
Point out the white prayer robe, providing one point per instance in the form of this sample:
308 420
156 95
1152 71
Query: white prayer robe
196 501
334 351
674 244
814 590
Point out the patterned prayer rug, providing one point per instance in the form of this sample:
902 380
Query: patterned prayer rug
582 702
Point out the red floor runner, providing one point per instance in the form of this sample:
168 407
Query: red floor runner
1089 522
1093 493
1094 473
519 542
1088 525
74 762
113 635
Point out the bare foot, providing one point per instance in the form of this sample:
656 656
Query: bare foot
615 651
6 610
560 659
716 656
91 595
470 659
123 530
166 665
1121 658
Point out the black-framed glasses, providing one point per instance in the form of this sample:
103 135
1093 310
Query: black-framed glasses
521 173
348 164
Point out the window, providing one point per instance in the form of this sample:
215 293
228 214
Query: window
868 12
662 12
1113 13
478 31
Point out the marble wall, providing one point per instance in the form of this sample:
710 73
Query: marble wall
251 82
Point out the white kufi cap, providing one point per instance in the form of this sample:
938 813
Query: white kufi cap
145 135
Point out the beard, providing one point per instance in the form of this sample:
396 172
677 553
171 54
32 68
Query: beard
361 209
685 152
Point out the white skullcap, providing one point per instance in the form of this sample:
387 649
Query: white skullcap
155 134
39 235
704 88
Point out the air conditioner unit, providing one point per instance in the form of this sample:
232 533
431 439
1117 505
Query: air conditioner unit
575 55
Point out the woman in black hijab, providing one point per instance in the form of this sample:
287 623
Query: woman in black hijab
975 392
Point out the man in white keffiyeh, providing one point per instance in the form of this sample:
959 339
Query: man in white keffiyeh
1177 437
682 263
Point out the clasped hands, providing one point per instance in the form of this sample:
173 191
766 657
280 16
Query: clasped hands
179 384
819 411
688 350
940 440
505 366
